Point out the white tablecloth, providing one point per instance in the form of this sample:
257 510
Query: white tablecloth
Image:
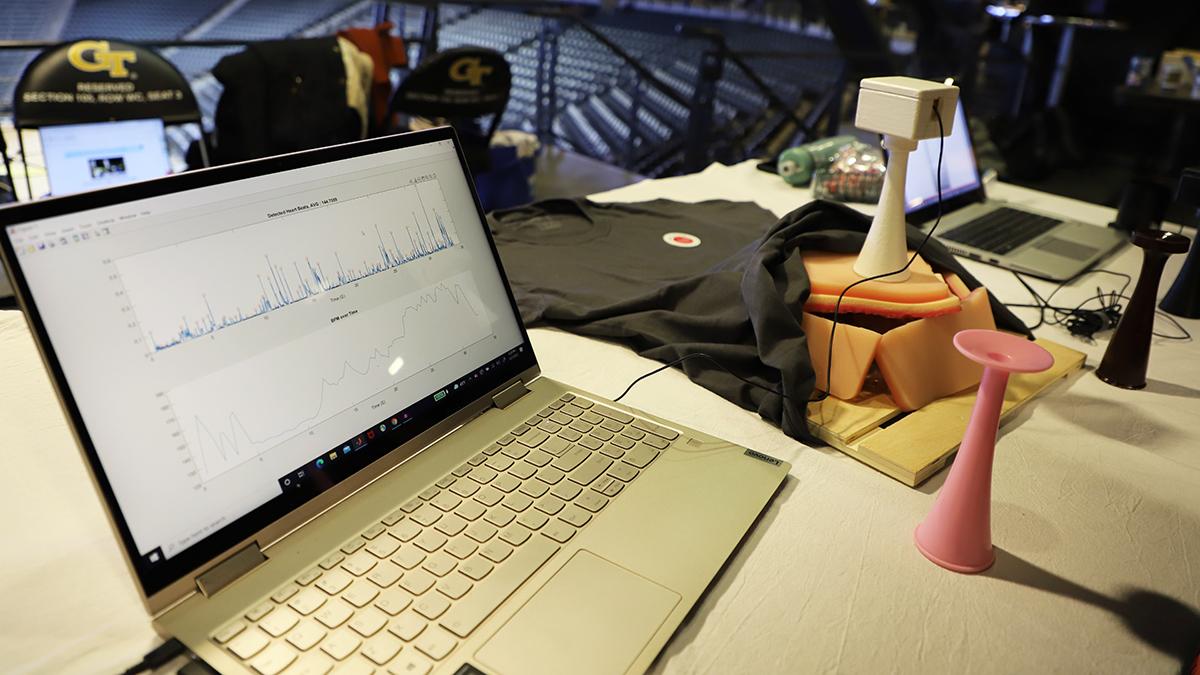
1096 517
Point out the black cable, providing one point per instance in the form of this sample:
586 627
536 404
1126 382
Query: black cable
1082 322
1113 298
158 656
838 306
694 356
1128 280
1040 303
1045 303
1063 314
1185 334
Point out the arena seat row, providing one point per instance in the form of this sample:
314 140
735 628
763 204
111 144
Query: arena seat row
267 19
34 21
156 20
596 93
594 88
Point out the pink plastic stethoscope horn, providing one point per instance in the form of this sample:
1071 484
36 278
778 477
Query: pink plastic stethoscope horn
957 533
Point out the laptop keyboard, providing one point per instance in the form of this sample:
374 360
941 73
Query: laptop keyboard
1002 230
399 596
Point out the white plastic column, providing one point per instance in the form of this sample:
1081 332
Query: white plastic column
886 248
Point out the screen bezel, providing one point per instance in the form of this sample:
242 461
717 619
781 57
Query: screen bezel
976 195
172 573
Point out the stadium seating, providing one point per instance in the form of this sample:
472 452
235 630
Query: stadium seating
34 21
603 109
270 19
156 20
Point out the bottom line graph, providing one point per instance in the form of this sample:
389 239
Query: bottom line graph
247 408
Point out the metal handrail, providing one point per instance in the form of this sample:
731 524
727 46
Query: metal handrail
718 40
697 133
630 60
547 69
700 130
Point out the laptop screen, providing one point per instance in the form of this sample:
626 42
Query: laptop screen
236 348
959 172
89 156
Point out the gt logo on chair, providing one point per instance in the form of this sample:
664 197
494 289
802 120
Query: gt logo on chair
467 69
101 58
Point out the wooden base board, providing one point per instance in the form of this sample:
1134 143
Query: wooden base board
912 447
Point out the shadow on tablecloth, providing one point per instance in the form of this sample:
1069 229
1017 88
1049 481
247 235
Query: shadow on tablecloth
1113 419
1168 389
1164 623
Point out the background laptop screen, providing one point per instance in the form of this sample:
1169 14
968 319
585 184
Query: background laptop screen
89 156
229 343
959 172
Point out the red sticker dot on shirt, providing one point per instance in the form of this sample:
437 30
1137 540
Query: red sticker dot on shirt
681 239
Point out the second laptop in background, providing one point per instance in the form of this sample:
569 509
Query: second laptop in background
992 230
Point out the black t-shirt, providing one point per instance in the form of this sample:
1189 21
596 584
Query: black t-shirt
671 280
568 259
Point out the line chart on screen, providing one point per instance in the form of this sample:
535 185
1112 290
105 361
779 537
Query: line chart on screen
299 315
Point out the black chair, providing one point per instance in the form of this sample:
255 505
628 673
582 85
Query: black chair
99 80
461 87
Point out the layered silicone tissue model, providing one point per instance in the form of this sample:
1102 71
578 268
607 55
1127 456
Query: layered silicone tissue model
906 330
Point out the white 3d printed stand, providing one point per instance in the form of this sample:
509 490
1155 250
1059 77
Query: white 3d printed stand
903 110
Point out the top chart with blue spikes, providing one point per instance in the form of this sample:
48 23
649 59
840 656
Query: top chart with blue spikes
199 287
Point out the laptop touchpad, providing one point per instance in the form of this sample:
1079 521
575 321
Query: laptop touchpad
593 616
1067 249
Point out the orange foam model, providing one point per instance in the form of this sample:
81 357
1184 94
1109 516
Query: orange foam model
956 285
924 294
918 360
853 354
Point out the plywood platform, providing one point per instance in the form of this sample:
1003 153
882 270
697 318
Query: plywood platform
912 447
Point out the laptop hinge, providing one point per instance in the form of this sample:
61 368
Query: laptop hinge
230 569
510 394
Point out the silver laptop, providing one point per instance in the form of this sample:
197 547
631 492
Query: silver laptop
91 156
991 230
317 423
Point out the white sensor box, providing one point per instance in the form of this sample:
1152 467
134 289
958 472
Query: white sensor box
903 107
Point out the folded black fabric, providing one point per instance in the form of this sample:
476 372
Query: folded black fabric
281 96
739 303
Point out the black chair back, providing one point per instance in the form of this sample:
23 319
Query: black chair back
462 86
98 80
